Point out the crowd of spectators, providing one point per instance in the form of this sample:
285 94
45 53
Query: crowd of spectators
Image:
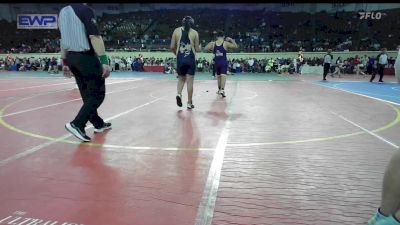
350 65
13 40
11 63
254 31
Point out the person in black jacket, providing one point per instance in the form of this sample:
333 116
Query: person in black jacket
327 62
382 61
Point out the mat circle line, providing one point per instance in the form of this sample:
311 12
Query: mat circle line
30 134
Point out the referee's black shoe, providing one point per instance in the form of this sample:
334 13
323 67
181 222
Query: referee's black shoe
77 132
105 126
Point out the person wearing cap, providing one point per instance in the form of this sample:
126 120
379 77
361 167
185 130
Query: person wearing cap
185 44
84 57
382 60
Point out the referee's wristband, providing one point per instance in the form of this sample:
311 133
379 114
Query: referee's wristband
104 59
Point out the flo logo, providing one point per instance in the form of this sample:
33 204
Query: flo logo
371 15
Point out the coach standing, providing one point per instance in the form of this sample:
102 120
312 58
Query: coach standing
83 54
327 62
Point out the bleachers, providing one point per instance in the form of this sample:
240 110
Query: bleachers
270 31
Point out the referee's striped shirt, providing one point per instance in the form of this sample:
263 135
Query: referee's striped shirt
76 23
328 58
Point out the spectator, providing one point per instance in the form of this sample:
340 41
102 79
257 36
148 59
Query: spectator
338 67
53 66
251 64
200 66
358 65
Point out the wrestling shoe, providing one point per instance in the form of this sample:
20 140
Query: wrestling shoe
105 126
77 132
222 92
385 221
179 100
190 106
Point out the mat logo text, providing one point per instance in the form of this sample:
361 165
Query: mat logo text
37 21
370 15
19 218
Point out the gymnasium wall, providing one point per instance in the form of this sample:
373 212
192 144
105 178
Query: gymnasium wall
208 56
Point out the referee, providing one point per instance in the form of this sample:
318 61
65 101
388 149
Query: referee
382 59
327 62
83 54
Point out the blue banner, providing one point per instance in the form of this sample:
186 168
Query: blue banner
37 21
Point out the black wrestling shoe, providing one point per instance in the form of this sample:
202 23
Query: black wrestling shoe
77 132
179 100
222 92
106 126
190 106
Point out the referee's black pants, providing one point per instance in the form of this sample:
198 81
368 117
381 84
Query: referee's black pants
381 68
298 65
327 66
88 71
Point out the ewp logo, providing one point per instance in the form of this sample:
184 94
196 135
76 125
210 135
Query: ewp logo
371 15
37 21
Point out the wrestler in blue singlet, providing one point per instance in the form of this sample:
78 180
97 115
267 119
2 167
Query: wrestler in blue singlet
221 62
186 62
